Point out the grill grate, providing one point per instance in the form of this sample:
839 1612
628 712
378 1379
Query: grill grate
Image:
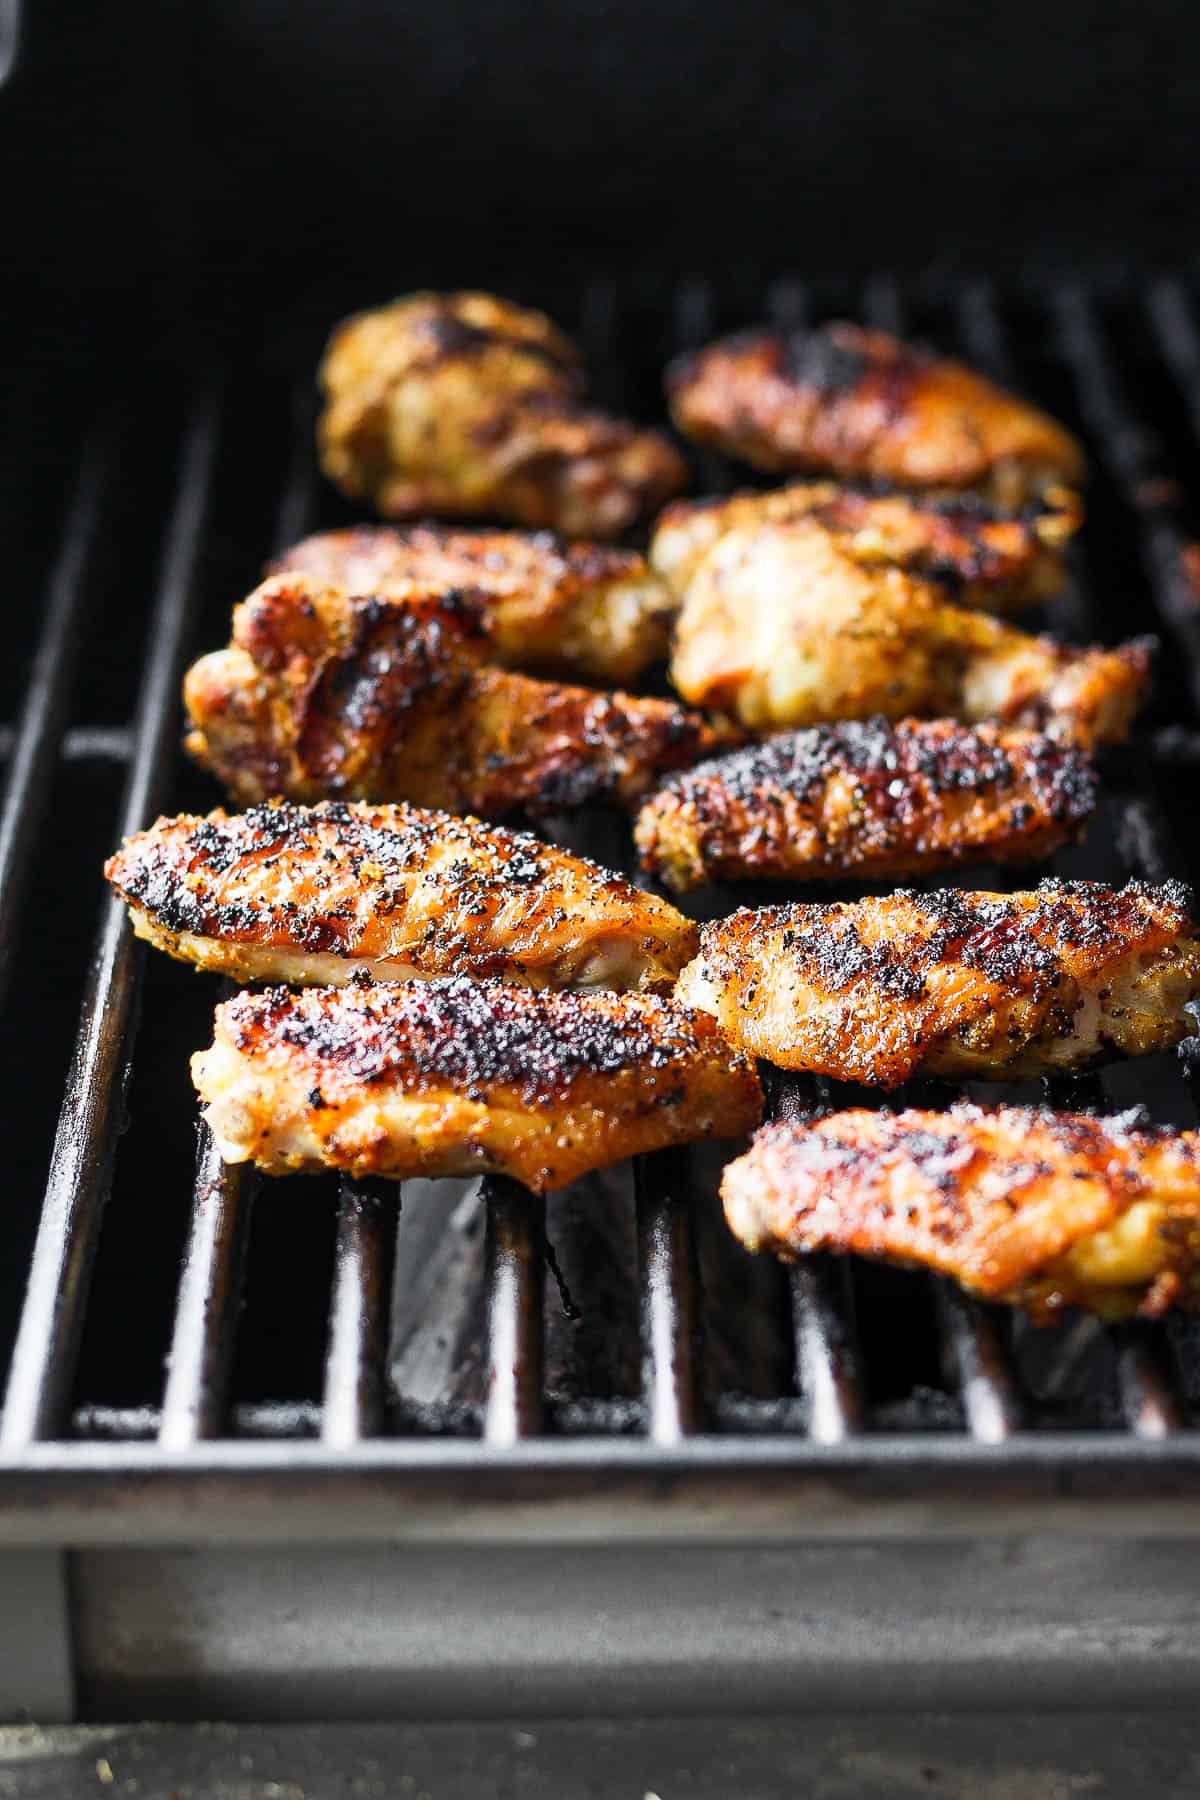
872 1373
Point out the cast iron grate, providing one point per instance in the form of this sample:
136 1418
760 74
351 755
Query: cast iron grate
243 1331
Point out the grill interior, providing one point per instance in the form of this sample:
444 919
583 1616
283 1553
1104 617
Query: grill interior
152 1301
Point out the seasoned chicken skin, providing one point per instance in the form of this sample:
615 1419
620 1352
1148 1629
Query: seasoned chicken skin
968 986
844 400
328 695
315 894
468 406
1036 1208
866 800
781 626
587 608
455 1077
978 553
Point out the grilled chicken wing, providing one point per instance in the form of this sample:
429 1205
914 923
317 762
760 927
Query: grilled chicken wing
456 1077
848 401
466 405
962 985
315 894
868 800
1035 1208
323 694
781 626
979 554
589 608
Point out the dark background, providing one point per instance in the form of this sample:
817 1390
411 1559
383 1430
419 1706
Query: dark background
354 148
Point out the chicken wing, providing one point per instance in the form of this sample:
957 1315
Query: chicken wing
979 554
465 405
587 608
315 894
1039 1209
848 401
867 800
454 1077
961 985
323 694
781 626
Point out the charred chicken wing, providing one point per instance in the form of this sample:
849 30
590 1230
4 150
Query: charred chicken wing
328 695
1039 1209
465 405
961 985
454 1077
848 401
598 611
315 894
979 554
781 626
867 799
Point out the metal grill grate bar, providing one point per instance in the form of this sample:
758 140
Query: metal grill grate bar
354 1397
210 1286
514 1277
206 1309
978 1366
36 741
1131 450
51 1318
667 1308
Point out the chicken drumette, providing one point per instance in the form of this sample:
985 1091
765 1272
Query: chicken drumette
1035 1208
468 406
589 609
848 401
455 1077
328 695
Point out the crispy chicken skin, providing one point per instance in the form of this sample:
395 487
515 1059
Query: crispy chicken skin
455 1077
1035 1208
585 608
328 695
315 894
467 406
969 986
782 627
845 400
867 800
979 554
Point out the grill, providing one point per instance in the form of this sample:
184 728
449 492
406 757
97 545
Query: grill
203 1367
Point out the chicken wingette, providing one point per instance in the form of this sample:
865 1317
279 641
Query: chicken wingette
781 626
1039 1209
466 406
955 984
316 894
590 609
866 800
455 1077
845 400
328 695
979 554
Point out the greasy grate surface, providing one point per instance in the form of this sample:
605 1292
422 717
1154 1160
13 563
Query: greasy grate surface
156 1308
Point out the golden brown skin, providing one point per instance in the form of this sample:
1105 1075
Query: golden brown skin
979 554
584 608
845 400
467 406
969 986
867 800
316 894
782 627
457 1077
328 695
1035 1208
